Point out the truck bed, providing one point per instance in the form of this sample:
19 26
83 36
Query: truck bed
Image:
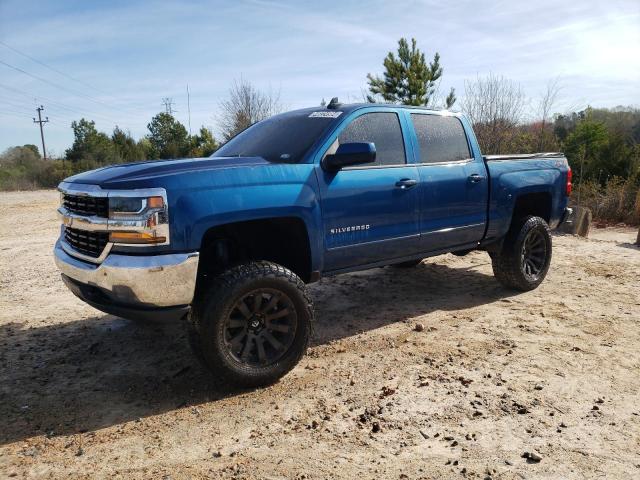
539 179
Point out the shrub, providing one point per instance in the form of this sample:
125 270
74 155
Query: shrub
22 168
618 201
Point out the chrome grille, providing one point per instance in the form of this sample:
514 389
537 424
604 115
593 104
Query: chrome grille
85 242
85 205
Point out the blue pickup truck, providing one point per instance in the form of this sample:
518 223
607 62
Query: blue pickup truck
229 242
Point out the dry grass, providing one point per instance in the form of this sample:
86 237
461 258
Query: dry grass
617 202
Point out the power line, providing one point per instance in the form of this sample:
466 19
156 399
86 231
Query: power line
56 104
52 83
53 69
16 105
50 67
41 122
81 95
15 113
20 111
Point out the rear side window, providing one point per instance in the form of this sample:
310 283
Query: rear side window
441 139
381 128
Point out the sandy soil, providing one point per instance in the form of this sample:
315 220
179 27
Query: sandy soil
493 374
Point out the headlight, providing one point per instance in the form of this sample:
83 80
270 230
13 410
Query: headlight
135 220
132 205
125 205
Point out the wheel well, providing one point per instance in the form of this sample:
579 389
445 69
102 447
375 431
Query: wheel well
281 240
538 204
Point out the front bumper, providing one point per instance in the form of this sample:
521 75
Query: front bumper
133 286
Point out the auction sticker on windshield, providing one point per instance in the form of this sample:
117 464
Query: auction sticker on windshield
325 114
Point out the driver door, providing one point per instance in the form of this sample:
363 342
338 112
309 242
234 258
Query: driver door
370 212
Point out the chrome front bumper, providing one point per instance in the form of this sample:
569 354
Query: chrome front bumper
132 281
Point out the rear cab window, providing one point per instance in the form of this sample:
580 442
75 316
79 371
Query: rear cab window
381 128
441 139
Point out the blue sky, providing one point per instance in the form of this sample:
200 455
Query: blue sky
125 56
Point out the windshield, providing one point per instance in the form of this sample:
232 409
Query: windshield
282 138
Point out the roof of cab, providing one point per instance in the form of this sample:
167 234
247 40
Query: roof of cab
350 107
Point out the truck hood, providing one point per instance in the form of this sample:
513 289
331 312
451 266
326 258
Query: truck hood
160 168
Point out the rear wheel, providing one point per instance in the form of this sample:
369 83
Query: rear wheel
252 325
525 257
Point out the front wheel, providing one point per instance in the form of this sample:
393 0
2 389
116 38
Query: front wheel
252 325
524 260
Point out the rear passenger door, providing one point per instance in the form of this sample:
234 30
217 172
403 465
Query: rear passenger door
453 190
370 212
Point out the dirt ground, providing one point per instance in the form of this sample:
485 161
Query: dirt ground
493 374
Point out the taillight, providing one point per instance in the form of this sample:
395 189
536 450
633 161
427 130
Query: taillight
569 184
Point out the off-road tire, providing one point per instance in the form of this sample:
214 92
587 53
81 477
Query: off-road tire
214 306
508 263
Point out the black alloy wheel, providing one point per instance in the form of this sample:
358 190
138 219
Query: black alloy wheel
523 261
260 327
251 324
533 257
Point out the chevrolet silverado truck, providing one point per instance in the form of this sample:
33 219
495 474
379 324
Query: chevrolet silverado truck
229 242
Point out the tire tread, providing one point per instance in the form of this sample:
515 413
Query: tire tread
209 303
506 263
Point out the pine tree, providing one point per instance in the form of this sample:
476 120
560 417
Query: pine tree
204 144
168 137
408 79
90 148
128 149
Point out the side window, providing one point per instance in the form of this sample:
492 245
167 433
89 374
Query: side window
381 128
441 139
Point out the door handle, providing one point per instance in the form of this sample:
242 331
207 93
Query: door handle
475 178
406 183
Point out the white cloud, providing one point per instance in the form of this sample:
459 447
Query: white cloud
135 53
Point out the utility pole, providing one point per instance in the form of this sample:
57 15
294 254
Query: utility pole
40 121
189 108
167 102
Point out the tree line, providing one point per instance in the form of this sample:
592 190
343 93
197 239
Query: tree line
22 167
602 145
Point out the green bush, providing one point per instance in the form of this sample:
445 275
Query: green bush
22 168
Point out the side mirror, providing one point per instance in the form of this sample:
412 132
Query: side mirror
350 154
